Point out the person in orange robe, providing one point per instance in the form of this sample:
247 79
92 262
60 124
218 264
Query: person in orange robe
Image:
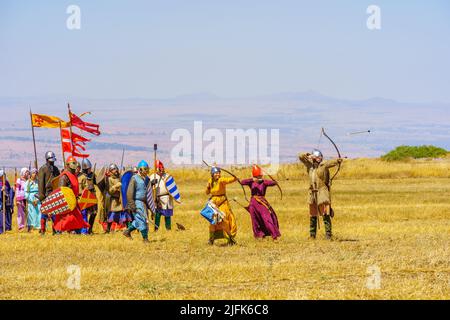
227 228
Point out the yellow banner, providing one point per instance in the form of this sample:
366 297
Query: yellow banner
44 121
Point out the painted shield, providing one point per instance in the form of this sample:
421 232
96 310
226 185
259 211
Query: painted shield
126 178
101 179
150 197
55 183
60 201
211 213
88 199
172 187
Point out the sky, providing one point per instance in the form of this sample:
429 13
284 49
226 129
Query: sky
160 49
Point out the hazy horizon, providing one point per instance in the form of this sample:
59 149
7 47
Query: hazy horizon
136 124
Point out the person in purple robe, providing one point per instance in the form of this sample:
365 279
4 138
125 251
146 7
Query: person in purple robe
9 203
264 218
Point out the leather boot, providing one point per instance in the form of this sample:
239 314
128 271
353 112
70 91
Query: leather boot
127 233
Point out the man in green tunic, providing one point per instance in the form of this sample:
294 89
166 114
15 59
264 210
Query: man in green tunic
319 198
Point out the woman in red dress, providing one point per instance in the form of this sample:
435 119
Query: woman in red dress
264 218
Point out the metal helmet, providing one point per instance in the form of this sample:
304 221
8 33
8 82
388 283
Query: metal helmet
86 164
50 156
317 153
143 167
159 165
72 163
113 167
143 164
215 170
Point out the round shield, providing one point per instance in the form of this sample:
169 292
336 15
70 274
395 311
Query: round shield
60 201
101 179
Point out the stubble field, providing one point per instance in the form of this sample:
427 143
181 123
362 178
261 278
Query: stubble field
392 235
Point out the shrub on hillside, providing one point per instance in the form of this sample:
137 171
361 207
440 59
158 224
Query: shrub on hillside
414 152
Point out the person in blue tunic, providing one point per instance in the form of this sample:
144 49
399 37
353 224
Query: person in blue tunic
137 201
33 203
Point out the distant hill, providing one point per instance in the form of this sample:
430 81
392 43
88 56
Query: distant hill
415 152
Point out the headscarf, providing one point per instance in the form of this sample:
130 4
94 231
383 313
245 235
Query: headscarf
23 172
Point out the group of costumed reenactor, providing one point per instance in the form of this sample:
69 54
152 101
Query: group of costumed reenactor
71 200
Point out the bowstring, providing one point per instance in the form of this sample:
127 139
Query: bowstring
320 140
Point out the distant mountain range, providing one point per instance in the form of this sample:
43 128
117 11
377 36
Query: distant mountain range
136 123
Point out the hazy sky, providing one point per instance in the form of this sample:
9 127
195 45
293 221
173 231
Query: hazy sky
159 49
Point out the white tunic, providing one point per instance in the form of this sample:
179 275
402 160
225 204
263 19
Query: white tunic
164 199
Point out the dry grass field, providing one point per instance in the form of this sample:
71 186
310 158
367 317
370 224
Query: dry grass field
394 217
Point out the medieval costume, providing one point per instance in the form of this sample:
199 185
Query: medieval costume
264 218
226 228
33 203
45 177
86 180
137 201
8 193
20 198
166 191
319 199
118 218
72 221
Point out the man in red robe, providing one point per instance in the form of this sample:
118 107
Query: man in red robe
72 221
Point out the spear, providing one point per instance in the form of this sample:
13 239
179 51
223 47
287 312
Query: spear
155 196
16 185
4 199
121 162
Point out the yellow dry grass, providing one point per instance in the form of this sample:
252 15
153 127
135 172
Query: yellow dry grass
391 216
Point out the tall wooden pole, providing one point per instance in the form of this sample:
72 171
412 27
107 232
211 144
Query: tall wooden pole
4 199
70 127
62 143
155 196
155 148
34 141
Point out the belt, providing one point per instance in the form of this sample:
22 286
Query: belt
162 195
218 205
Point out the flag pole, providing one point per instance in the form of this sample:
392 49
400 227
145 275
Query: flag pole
70 127
34 141
62 143
155 149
